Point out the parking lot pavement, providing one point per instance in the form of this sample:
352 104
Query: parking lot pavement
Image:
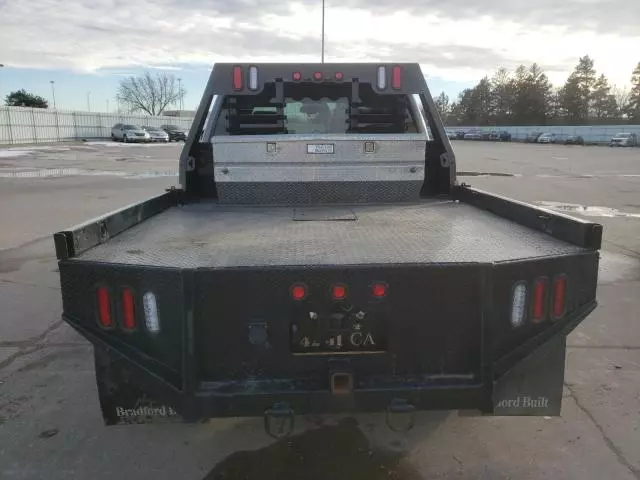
50 426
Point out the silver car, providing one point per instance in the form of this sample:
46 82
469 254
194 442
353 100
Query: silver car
624 140
129 133
157 134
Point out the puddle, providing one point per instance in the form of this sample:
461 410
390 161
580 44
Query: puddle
77 172
487 174
615 267
587 211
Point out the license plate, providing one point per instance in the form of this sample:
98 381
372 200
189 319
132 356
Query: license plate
321 148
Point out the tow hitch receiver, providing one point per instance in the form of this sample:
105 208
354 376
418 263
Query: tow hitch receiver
279 420
400 415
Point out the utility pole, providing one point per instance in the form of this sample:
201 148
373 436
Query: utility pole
180 94
53 93
89 101
323 31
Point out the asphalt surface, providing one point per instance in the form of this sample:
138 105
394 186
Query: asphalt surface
50 424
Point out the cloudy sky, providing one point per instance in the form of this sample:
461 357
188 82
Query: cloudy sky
87 46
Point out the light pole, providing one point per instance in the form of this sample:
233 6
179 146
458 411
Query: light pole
180 94
323 31
53 93
89 101
1 65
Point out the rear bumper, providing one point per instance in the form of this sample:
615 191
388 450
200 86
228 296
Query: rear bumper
527 381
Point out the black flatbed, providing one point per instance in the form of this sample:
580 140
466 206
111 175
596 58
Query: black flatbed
209 235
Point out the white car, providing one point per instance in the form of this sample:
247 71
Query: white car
547 138
129 133
624 140
157 134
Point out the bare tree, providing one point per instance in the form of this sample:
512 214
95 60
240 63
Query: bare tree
148 93
622 98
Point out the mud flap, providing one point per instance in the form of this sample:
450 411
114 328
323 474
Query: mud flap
533 387
127 397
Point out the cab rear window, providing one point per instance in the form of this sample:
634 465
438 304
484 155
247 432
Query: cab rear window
315 109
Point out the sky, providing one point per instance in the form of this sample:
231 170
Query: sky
88 47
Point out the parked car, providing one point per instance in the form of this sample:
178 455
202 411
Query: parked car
460 134
500 136
129 133
157 134
624 140
574 140
451 135
548 138
473 135
175 133
532 137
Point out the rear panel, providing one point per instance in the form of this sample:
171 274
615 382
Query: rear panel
250 326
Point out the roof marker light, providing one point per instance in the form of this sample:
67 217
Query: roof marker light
379 289
253 78
151 318
298 291
382 77
339 292
518 304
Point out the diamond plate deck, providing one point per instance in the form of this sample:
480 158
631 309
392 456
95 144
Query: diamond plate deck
215 236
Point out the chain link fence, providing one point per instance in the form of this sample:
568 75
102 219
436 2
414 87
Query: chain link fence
42 125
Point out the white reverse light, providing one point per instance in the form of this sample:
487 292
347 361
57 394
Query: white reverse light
151 319
253 78
518 307
382 78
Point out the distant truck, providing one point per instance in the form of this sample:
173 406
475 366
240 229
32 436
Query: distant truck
320 255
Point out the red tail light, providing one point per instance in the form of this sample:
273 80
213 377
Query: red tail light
317 76
128 309
379 289
297 76
104 308
539 300
298 291
339 76
339 292
237 78
559 293
396 78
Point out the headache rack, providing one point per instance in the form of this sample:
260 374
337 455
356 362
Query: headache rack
367 111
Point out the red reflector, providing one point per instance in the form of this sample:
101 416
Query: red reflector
559 291
128 310
317 75
104 308
339 292
339 76
298 292
297 76
379 289
539 291
396 78
237 78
